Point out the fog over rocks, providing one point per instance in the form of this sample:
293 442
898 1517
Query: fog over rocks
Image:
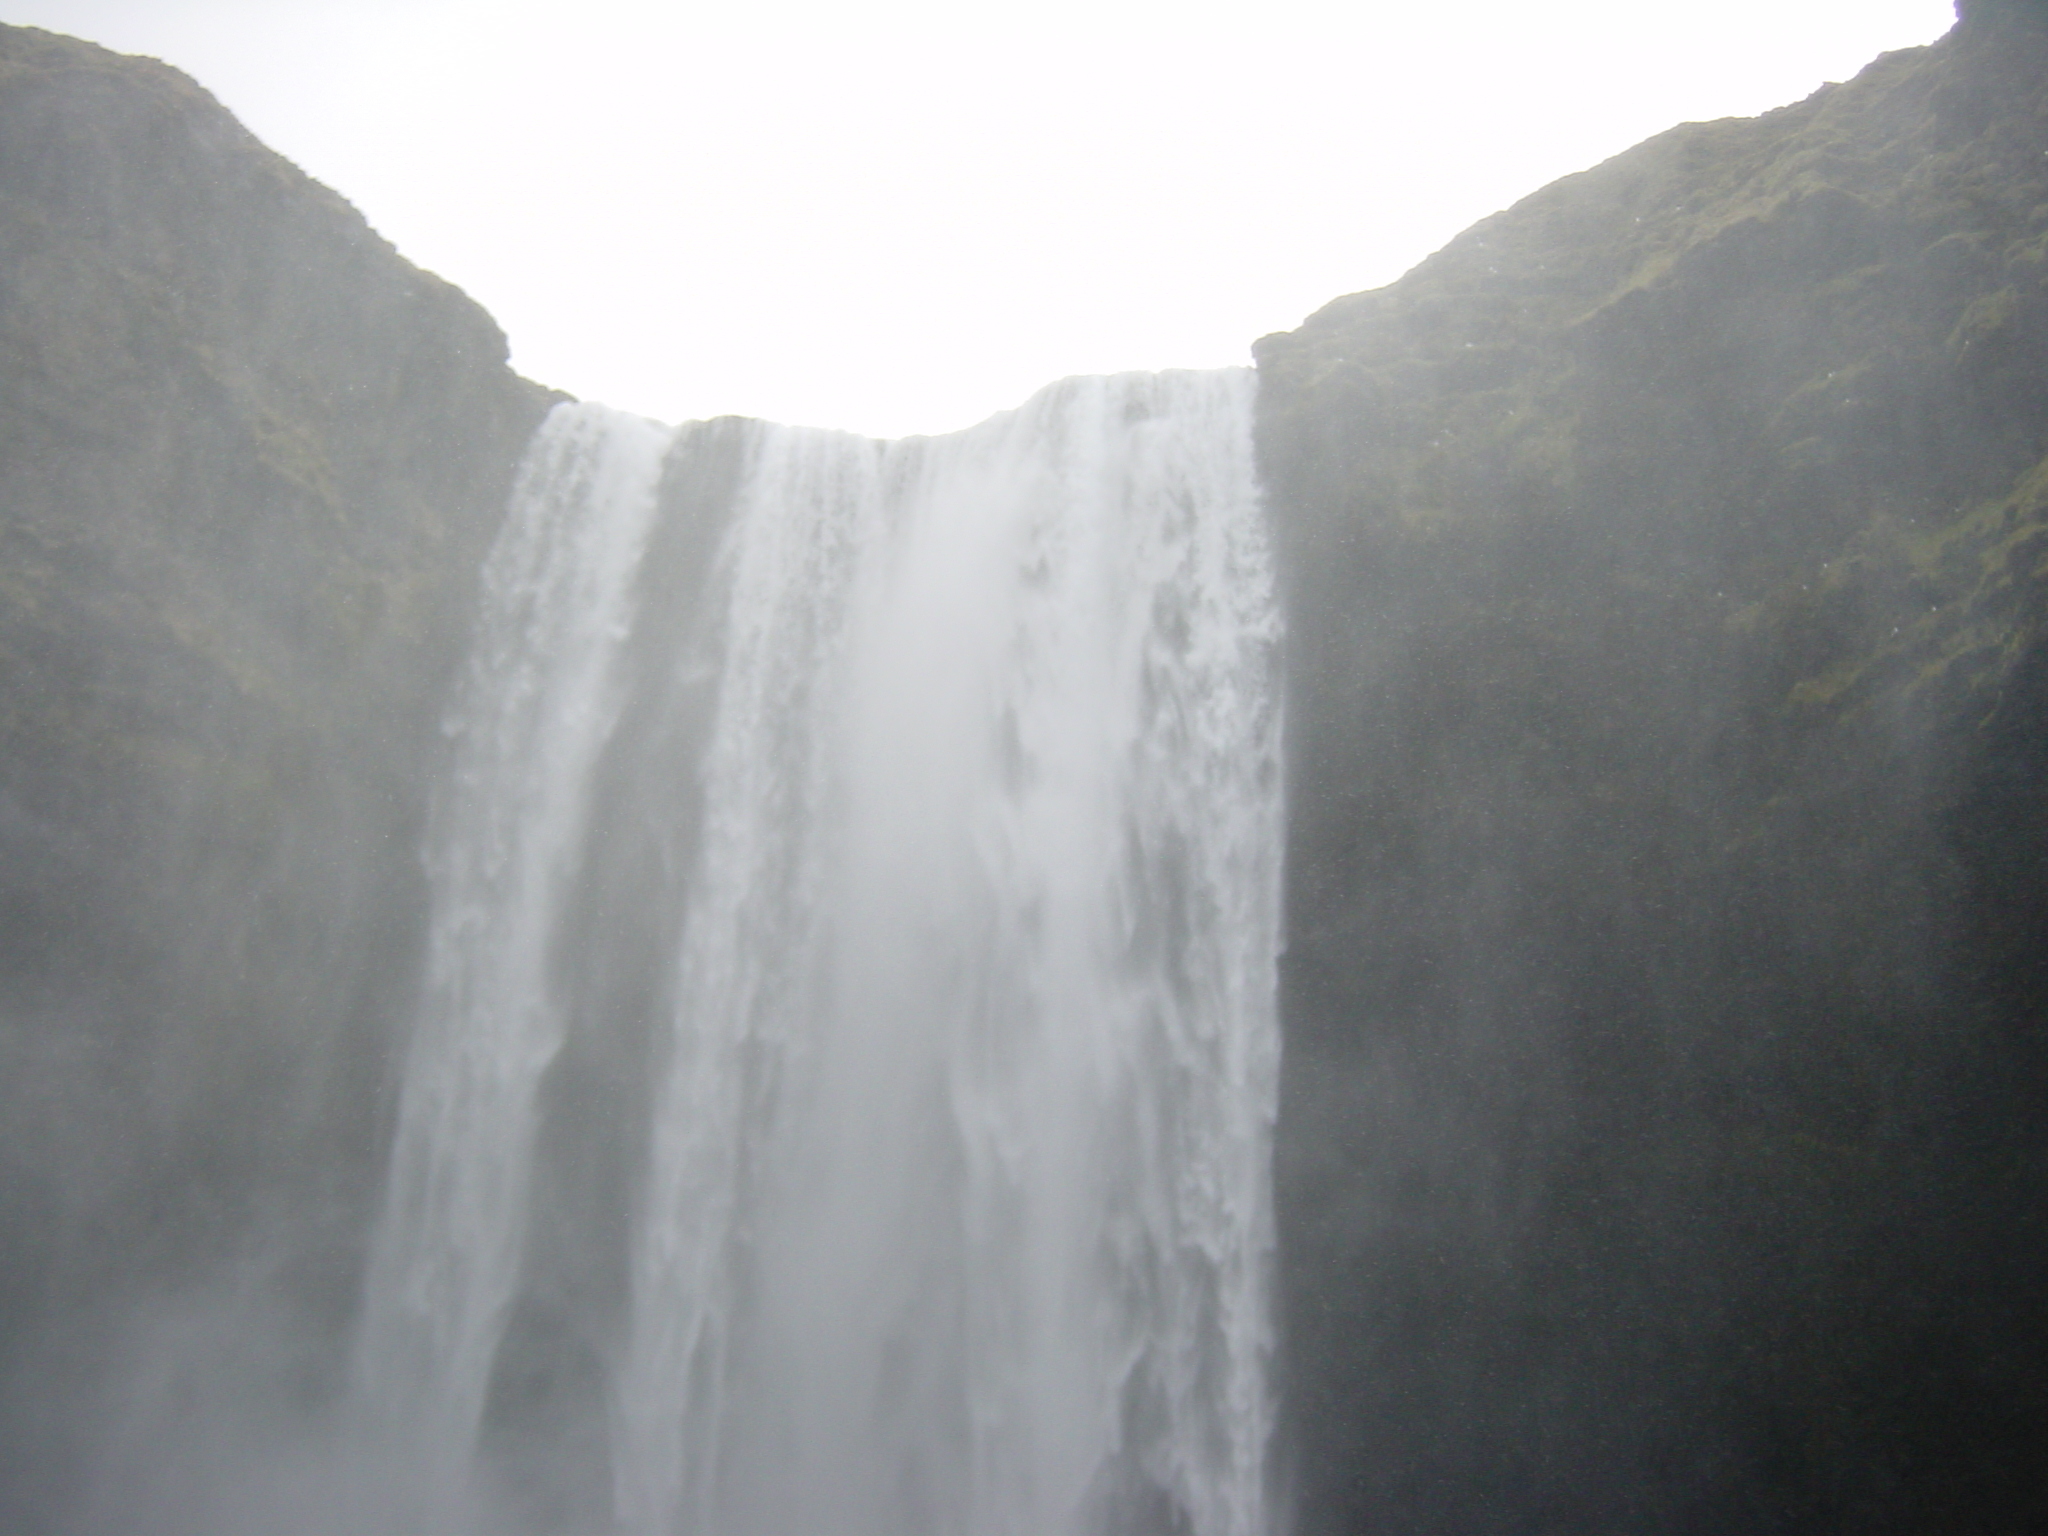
250 462
1661 1138
1662 1130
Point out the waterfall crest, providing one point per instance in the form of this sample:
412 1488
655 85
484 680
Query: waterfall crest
952 1213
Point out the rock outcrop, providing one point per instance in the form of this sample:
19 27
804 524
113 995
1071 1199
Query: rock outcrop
1665 1127
250 460
1663 1144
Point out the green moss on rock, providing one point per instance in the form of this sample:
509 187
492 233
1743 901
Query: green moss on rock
250 460
1668 718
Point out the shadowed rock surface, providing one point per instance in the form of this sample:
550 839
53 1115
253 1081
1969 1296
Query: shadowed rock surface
1663 1140
249 463
1663 1144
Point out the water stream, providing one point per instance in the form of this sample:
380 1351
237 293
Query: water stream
952 1212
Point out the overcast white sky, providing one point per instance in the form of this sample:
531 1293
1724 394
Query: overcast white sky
900 217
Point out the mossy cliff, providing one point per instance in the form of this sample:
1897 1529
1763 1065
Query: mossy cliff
1665 1127
1664 1142
249 463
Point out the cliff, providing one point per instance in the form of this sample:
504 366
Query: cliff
249 463
1663 1142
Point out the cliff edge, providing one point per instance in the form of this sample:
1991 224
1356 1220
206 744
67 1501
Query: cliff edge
1666 562
250 461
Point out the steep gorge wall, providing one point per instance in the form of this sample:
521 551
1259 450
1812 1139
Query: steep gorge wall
249 463
1663 1142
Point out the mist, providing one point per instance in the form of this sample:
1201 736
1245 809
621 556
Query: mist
1437 934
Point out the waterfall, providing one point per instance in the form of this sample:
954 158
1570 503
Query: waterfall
537 703
952 1214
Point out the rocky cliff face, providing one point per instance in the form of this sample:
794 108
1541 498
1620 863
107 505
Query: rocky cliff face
1663 1142
249 463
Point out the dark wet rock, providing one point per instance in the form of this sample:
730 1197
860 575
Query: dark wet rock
249 462
1663 1144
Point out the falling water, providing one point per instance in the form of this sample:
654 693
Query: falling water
538 702
953 1217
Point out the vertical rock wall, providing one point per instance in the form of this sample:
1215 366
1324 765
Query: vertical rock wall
1663 1142
249 461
